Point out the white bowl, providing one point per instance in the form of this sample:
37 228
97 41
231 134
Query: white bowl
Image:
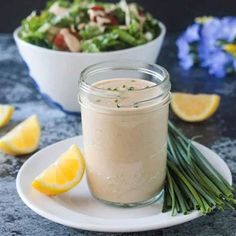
57 73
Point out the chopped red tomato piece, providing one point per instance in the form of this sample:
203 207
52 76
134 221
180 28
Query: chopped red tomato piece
97 8
113 20
59 42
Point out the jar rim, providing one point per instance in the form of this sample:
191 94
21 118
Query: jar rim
137 65
159 91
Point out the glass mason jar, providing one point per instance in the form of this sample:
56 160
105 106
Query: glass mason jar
124 108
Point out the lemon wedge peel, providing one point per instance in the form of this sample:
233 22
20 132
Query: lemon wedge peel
23 139
63 175
6 112
194 107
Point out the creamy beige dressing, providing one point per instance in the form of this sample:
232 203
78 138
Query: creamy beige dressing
125 147
131 91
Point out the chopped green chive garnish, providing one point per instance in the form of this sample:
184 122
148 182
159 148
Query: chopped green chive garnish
123 86
131 88
116 100
136 106
117 105
115 89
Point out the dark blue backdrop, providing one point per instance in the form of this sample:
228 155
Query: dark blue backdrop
176 14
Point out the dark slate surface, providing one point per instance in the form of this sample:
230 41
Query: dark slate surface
219 133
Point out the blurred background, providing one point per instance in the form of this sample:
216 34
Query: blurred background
175 14
17 89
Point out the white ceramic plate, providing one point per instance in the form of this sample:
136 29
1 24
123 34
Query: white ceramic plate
78 209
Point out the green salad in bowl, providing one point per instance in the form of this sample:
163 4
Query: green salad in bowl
89 26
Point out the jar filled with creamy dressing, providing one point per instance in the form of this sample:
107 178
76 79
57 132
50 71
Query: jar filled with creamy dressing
124 108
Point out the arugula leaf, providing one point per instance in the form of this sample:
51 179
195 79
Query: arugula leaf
91 31
151 25
125 36
34 21
100 43
89 46
119 14
37 39
134 28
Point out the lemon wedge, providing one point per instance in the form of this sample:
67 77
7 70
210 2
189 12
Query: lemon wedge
6 112
194 107
64 174
23 139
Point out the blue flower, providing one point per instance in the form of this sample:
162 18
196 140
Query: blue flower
184 43
211 43
210 30
228 29
209 37
218 62
192 33
186 58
